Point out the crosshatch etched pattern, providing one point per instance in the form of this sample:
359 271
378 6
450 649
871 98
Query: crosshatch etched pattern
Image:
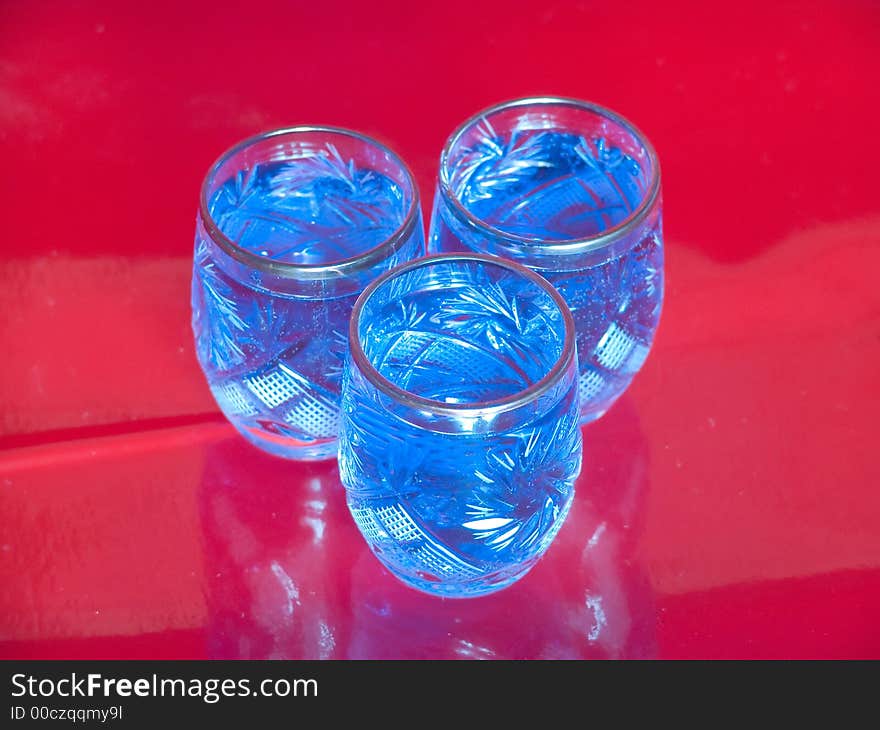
232 399
616 307
460 512
273 364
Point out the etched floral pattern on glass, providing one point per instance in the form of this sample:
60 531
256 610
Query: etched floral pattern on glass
461 473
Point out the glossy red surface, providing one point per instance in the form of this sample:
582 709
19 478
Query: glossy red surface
729 505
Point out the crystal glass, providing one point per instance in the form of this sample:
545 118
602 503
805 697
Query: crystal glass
572 191
460 441
292 226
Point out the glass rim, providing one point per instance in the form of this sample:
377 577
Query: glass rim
342 267
440 408
556 245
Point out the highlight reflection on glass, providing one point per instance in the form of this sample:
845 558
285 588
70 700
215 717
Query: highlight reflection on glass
460 443
292 226
572 191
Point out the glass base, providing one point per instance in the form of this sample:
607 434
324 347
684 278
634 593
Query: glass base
592 416
288 448
475 589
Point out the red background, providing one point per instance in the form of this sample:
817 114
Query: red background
729 504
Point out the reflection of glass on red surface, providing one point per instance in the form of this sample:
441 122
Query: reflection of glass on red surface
288 575
274 536
609 584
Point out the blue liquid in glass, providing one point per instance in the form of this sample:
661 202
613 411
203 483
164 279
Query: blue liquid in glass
469 512
550 185
557 186
309 212
274 363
